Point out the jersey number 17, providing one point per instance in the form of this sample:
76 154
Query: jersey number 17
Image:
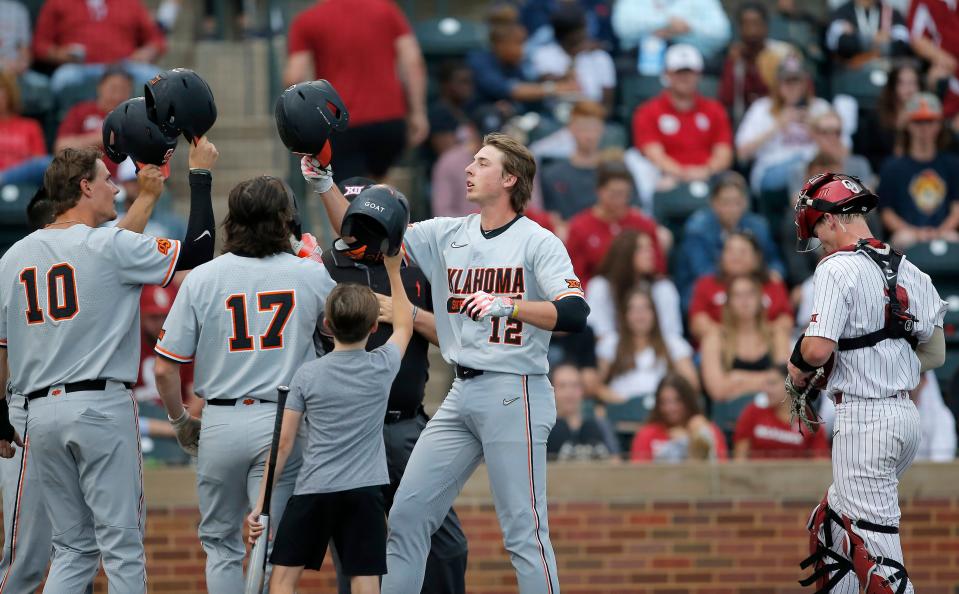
281 303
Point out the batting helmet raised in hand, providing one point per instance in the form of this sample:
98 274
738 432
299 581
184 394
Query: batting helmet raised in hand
179 100
307 114
128 132
832 193
374 224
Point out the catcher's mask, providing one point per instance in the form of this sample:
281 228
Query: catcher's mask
832 193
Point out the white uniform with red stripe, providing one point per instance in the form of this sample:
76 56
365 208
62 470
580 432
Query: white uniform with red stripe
69 313
502 416
876 432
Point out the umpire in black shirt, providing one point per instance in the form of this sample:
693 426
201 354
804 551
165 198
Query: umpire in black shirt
405 418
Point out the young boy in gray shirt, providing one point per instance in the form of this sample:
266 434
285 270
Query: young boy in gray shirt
339 489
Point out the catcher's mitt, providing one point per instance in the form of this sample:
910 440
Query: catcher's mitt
801 400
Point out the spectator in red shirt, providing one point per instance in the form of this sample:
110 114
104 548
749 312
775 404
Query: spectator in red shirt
83 124
682 135
934 32
83 38
23 153
764 430
591 231
741 256
372 57
676 429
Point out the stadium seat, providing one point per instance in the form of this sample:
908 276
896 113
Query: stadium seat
37 100
614 136
633 90
863 84
937 259
945 373
725 414
449 37
709 86
673 207
74 94
13 205
627 417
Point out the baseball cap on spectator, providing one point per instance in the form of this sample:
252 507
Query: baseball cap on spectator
683 56
352 186
924 107
156 300
790 68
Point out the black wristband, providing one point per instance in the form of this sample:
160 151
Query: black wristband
796 357
6 429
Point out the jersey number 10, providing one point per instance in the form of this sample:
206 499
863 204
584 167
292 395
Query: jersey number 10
280 302
61 287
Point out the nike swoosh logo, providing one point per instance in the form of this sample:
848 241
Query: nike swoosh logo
510 401
848 208
458 245
206 233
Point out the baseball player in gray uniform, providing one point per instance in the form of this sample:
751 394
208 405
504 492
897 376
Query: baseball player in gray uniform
505 284
876 323
69 305
246 320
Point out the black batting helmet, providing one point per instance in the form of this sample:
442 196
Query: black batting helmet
179 100
376 221
307 114
128 132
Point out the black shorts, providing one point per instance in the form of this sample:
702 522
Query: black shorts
368 150
354 519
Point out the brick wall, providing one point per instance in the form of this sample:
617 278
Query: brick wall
707 547
674 530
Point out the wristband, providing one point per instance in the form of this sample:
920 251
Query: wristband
797 360
183 415
515 311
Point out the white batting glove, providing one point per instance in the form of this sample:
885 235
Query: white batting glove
318 177
306 247
481 305
187 432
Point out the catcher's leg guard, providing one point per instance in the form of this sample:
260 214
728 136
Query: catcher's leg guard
854 557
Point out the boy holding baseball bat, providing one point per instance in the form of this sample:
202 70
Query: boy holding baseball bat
339 489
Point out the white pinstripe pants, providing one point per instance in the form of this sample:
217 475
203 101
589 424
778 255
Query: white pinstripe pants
874 442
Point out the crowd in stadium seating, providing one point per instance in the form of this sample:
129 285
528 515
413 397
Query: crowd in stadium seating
650 118
672 140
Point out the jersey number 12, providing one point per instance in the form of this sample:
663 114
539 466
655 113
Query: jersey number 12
281 303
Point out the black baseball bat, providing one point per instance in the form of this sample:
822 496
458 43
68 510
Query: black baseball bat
257 569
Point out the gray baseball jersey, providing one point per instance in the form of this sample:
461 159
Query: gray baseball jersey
343 399
246 323
76 292
524 261
487 417
850 300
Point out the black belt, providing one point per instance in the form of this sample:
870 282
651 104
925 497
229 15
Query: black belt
395 416
84 386
233 401
467 372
